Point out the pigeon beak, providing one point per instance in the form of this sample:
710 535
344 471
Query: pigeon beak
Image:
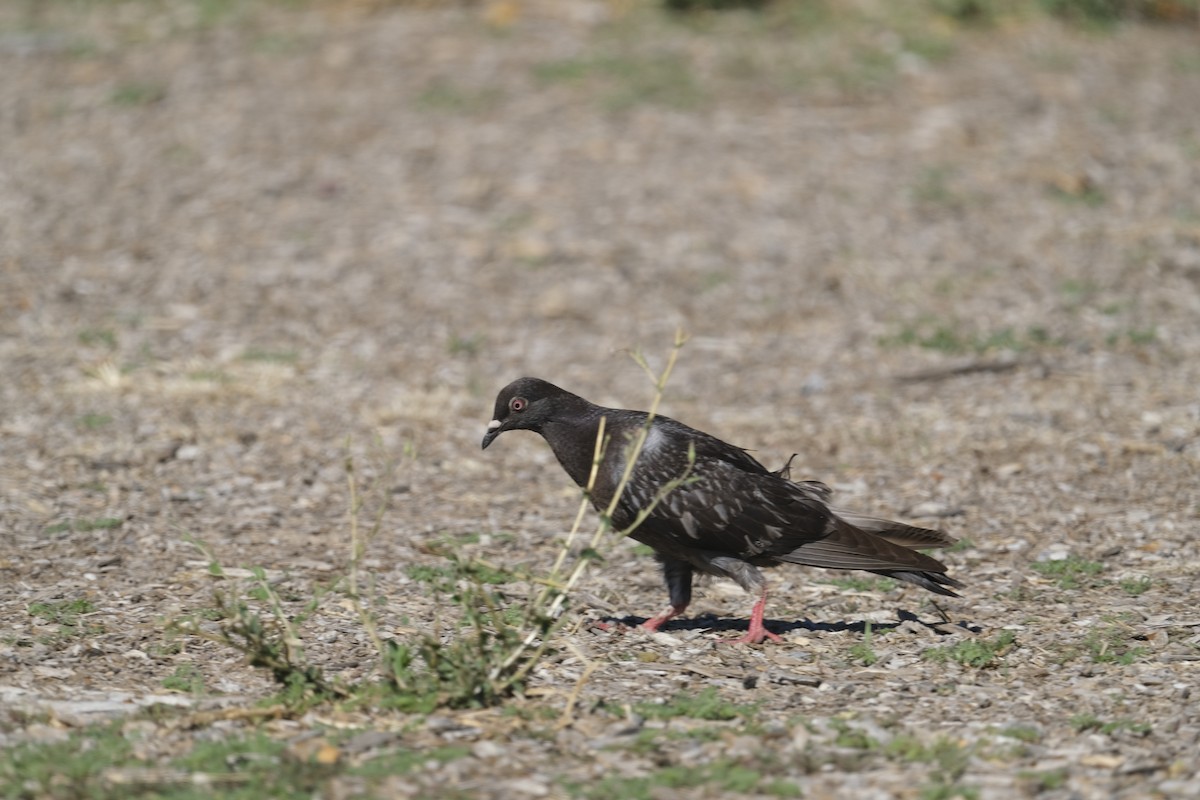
493 430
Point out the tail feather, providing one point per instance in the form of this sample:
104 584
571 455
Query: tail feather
896 532
849 547
935 582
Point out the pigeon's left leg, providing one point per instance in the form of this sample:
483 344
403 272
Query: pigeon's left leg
750 579
678 575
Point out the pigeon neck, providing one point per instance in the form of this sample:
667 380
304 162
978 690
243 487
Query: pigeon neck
573 440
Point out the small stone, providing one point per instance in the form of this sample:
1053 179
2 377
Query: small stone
188 452
528 786
487 749
932 508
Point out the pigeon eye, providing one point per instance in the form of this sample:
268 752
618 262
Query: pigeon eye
517 404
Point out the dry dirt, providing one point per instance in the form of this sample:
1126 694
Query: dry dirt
957 271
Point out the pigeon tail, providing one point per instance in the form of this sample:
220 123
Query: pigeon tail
935 582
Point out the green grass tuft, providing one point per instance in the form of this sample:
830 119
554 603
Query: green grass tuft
1070 573
978 653
706 704
862 651
1136 586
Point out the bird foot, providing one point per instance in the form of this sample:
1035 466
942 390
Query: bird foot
670 612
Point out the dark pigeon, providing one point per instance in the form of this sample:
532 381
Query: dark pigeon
731 517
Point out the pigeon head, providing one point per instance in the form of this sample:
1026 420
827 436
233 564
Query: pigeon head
527 404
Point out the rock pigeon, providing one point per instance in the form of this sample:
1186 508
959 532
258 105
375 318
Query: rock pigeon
731 516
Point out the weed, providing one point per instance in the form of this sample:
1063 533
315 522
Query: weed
946 338
94 421
401 762
186 679
85 525
139 94
1046 781
64 612
267 636
1100 14
1085 193
466 345
851 737
99 336
940 790
442 95
70 768
703 705
1136 586
722 776
976 652
209 376
1110 645
933 189
974 12
270 356
242 766
857 583
1022 733
1141 337
862 651
1070 573
949 760
496 642
650 741
1090 722
662 78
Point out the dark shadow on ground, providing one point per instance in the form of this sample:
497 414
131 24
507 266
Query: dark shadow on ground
711 622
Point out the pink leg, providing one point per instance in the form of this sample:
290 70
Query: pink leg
757 631
670 612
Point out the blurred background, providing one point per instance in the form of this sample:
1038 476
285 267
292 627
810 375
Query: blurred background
948 251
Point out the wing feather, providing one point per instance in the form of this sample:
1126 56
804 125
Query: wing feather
731 505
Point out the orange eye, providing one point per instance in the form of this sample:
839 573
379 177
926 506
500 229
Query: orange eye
517 404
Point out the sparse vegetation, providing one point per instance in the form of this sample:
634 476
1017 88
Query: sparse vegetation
239 233
103 762
1022 733
1070 573
1136 586
724 775
1083 723
139 94
270 356
977 652
496 642
855 582
949 338
186 679
85 525
1109 644
93 422
99 337
66 615
706 704
862 651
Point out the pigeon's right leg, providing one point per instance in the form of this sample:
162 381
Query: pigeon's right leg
678 576
750 579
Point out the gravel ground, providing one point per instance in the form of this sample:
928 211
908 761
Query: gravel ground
957 271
